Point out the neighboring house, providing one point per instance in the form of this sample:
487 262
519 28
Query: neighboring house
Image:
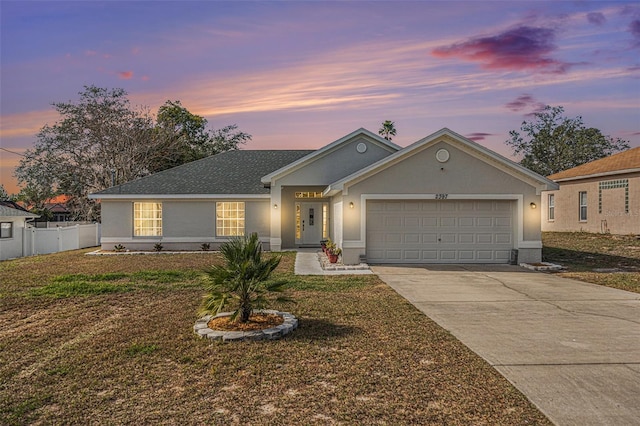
13 219
59 212
600 196
443 199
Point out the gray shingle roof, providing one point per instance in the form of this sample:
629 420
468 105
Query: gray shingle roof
7 211
231 172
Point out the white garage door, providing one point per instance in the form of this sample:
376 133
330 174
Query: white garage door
442 231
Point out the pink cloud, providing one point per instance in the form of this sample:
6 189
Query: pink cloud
125 75
525 102
634 29
478 136
90 53
596 18
521 48
144 78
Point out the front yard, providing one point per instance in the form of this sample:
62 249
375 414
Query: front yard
611 260
109 340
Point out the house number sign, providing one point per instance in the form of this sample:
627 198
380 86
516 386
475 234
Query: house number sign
441 196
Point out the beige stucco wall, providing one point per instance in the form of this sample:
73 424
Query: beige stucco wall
462 175
315 176
336 164
612 219
186 224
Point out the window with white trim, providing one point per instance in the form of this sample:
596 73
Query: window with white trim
551 214
582 200
229 218
6 229
147 219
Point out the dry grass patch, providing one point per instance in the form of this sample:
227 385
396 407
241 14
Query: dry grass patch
586 255
361 355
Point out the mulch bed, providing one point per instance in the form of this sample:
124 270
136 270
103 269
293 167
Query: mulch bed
256 322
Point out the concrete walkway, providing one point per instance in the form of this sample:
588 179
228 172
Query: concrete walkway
572 348
307 263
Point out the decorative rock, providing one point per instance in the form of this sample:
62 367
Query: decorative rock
542 266
201 328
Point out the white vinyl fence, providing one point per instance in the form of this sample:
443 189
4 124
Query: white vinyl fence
52 240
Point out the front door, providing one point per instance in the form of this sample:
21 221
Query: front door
309 223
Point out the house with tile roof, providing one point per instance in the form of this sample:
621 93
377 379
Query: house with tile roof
442 199
601 196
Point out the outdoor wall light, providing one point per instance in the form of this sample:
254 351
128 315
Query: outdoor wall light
533 205
351 205
275 206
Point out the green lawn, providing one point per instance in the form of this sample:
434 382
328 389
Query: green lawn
109 340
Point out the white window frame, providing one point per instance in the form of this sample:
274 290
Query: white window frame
147 219
582 206
551 213
3 226
230 218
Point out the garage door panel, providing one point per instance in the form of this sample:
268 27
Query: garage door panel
484 222
448 238
448 255
429 222
503 221
466 222
466 255
429 238
503 255
412 222
440 231
410 255
428 206
429 255
412 238
484 238
448 221
503 238
393 238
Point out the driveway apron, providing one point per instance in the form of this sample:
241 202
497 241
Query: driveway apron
571 347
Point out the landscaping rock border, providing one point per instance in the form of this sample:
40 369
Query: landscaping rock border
201 328
542 266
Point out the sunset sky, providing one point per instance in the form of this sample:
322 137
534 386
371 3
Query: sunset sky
299 75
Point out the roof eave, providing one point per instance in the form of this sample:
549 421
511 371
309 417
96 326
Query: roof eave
99 196
597 175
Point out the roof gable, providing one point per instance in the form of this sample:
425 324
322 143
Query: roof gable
622 162
235 172
318 154
472 148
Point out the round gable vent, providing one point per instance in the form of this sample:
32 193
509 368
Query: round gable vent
442 155
361 147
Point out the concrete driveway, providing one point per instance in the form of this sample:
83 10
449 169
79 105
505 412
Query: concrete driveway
572 348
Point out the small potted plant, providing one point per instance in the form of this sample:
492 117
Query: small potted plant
333 252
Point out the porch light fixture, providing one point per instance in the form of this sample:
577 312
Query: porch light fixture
533 205
351 205
275 206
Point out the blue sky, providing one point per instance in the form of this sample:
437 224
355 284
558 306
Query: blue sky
303 74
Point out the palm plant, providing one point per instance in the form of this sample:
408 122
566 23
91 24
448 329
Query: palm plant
243 281
387 130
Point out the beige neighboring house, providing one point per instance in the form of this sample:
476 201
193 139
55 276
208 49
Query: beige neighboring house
442 199
602 196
